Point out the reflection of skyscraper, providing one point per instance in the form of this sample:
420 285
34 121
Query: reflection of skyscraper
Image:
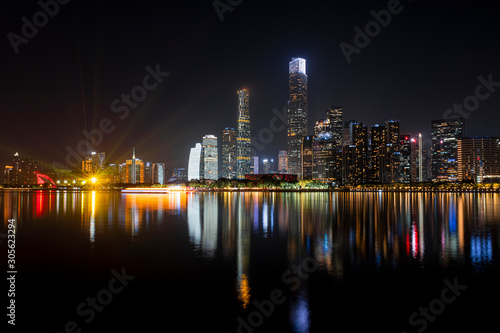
297 113
194 163
243 151
229 153
445 135
210 157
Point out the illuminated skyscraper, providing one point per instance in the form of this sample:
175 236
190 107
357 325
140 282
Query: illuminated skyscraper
445 135
195 163
335 115
134 170
297 113
282 161
243 151
210 157
479 159
306 156
229 153
159 173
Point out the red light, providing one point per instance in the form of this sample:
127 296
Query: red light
406 138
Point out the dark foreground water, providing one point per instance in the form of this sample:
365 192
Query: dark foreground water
254 262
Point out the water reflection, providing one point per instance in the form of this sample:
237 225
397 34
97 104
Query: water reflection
341 231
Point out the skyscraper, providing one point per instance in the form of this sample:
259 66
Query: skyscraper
479 159
445 134
335 115
210 157
134 170
297 113
306 156
243 151
195 163
378 134
159 173
393 151
282 161
229 153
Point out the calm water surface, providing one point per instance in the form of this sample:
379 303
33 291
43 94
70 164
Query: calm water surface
213 262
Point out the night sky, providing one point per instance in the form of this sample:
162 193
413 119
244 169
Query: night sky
66 77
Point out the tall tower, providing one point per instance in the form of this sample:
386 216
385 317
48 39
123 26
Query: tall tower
334 113
243 151
297 113
229 153
445 135
194 165
210 157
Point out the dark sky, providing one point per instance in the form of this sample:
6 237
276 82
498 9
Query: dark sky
66 77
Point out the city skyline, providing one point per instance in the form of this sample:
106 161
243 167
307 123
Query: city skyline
414 70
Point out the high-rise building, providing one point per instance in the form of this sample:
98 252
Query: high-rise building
355 156
335 115
148 172
306 156
159 173
87 165
7 175
445 135
393 151
195 160
266 166
229 153
210 157
297 113
134 170
16 170
98 160
407 162
255 165
479 159
378 147
282 161
322 126
243 141
324 167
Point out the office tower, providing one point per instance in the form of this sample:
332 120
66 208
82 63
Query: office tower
195 161
87 164
179 175
324 167
297 113
306 156
134 170
322 126
210 157
98 161
148 172
393 151
346 133
255 165
159 173
420 159
28 171
282 161
335 115
229 153
243 151
478 159
355 155
445 134
378 135
16 170
266 168
114 174
407 158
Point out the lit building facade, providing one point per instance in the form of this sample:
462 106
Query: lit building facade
283 161
306 156
297 113
229 153
445 134
243 141
479 159
159 173
134 170
210 157
194 165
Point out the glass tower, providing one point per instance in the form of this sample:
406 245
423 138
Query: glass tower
445 135
194 162
243 151
210 157
297 113
229 153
